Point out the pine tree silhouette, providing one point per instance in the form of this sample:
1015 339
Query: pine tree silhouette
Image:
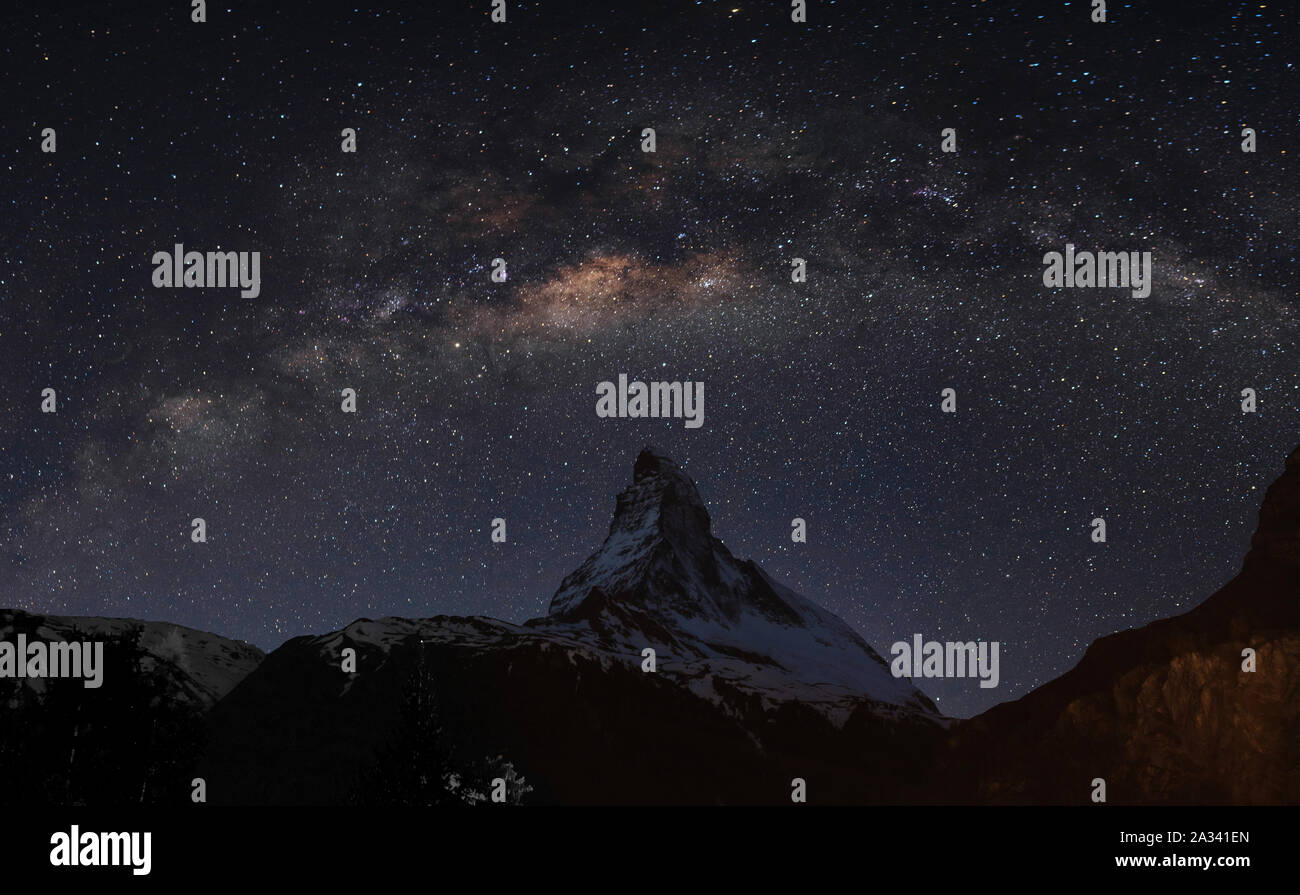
413 767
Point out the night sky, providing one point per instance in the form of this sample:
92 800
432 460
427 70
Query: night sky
477 399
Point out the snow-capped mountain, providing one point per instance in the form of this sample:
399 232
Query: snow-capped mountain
718 625
742 663
754 686
663 580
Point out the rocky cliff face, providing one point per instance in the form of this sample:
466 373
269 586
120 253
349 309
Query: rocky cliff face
1165 714
662 580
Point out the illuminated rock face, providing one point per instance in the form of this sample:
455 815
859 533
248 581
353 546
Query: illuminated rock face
1166 713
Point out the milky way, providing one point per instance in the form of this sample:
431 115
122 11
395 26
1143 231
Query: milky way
476 398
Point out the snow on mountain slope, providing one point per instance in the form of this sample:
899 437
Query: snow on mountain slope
204 667
719 626
661 579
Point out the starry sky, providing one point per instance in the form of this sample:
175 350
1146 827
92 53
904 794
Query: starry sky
476 399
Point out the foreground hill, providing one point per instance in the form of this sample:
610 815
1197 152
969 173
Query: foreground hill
1165 714
135 737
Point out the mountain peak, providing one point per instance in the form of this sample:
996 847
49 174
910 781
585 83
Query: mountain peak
659 522
1277 536
663 499
662 578
652 462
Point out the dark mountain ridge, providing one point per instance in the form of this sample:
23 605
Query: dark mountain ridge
744 670
1164 713
752 686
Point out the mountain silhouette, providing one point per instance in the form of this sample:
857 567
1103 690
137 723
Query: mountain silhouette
667 671
1166 713
743 669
